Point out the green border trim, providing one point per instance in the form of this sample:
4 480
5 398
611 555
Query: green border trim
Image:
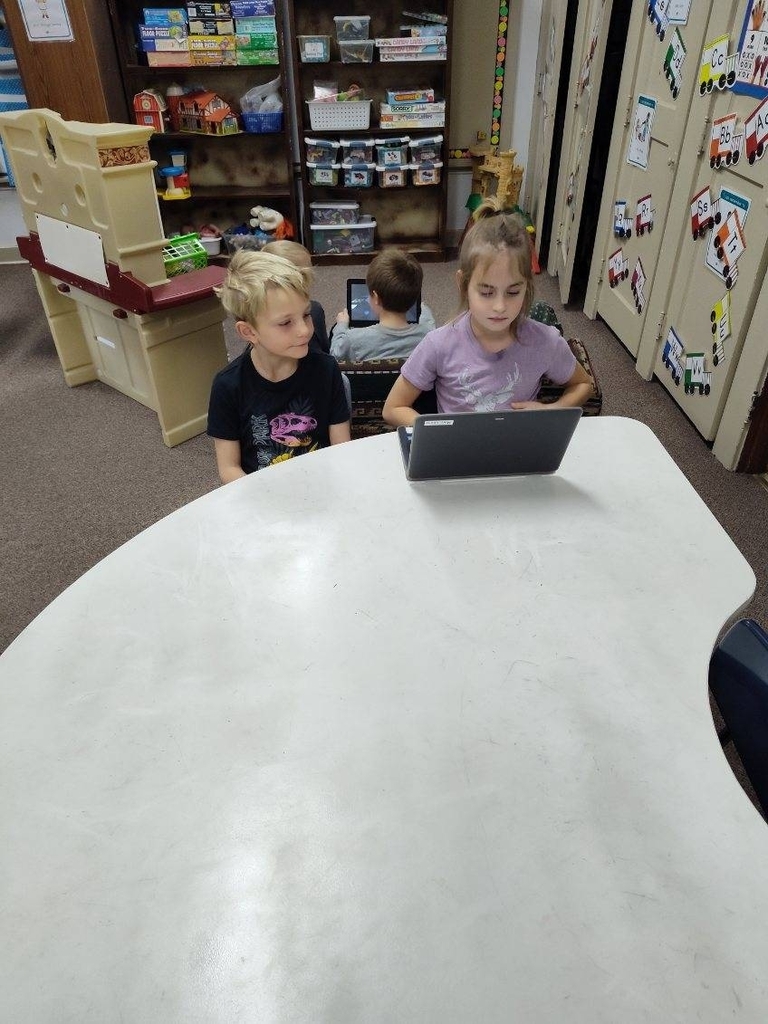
498 83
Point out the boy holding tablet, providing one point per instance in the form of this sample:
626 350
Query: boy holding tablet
394 281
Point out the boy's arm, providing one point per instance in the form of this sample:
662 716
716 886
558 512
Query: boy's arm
228 457
427 318
338 433
340 337
398 409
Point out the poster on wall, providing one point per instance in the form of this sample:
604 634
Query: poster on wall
640 132
752 66
46 21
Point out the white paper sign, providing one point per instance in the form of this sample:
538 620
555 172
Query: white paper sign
640 132
46 21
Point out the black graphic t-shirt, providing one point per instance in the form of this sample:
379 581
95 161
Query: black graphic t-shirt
276 421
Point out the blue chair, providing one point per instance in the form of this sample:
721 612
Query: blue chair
738 678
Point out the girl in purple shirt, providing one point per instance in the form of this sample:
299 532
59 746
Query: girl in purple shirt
491 356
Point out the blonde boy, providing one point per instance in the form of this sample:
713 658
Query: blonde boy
277 400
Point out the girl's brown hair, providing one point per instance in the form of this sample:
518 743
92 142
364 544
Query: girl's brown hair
495 231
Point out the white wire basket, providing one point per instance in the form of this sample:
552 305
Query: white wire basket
347 114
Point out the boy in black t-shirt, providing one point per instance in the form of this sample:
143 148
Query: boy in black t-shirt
277 400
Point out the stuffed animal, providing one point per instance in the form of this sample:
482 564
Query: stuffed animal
271 223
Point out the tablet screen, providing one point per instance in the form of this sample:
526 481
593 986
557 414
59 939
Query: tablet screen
359 306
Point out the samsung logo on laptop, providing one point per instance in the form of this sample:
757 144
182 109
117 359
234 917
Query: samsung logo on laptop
438 423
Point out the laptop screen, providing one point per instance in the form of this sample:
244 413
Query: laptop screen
359 306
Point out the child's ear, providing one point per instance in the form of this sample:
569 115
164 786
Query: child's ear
246 331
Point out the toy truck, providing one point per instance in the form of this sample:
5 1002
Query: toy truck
658 16
644 215
725 143
618 268
673 63
717 66
696 378
756 132
705 212
672 354
622 224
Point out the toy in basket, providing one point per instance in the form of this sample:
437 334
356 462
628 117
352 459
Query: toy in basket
341 110
261 108
182 254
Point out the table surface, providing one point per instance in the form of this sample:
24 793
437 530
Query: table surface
327 746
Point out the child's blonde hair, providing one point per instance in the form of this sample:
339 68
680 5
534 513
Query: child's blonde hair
251 275
494 231
297 253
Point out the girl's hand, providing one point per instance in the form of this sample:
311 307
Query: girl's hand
528 405
342 318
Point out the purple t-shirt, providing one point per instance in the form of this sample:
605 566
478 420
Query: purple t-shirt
466 378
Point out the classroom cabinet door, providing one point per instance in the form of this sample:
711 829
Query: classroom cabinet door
586 70
658 84
741 441
542 139
697 323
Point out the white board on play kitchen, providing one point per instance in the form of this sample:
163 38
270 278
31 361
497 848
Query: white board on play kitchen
72 248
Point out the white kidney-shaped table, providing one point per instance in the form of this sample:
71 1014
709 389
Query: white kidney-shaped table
326 746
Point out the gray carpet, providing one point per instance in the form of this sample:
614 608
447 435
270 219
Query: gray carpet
85 469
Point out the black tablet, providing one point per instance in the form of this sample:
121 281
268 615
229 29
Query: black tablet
359 306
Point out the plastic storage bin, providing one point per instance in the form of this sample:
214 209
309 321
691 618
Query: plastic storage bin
392 151
333 116
427 174
323 173
356 151
357 51
343 212
184 253
352 26
391 176
321 151
315 49
342 239
358 175
426 150
262 122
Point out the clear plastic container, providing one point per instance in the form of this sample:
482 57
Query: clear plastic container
323 174
392 151
358 175
426 150
392 177
427 173
358 51
342 239
350 26
321 151
342 212
357 151
314 49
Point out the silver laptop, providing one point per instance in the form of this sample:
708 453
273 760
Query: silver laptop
445 446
